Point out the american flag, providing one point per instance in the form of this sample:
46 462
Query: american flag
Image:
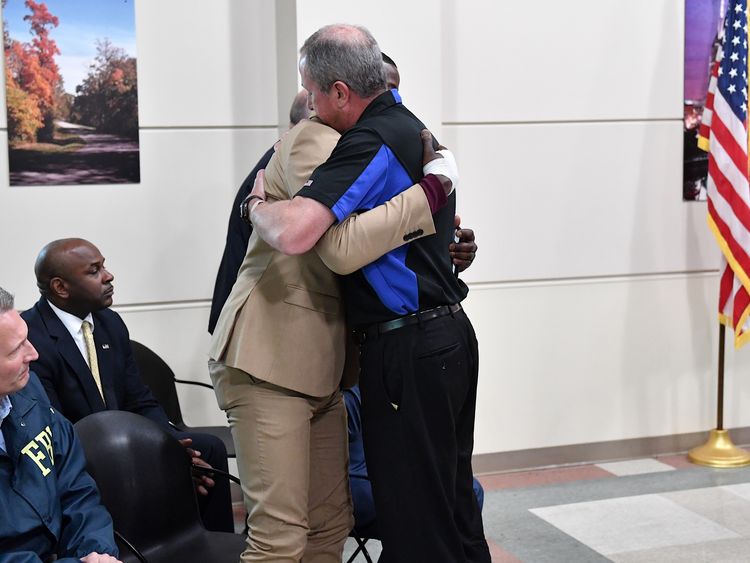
724 127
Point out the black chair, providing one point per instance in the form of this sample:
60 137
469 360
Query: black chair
361 535
145 481
160 378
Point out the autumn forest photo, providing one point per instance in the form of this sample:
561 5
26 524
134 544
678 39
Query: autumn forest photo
71 92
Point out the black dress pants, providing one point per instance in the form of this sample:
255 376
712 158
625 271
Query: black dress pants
216 507
419 386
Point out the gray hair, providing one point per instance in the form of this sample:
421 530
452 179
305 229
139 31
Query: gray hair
299 109
348 53
7 302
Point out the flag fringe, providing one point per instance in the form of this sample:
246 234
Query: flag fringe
740 337
724 246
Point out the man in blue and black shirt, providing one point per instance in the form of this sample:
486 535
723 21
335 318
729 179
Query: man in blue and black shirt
419 357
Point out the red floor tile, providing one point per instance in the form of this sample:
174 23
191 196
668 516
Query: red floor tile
678 461
499 555
493 482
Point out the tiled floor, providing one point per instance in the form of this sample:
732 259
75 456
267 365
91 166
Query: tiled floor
653 510
661 509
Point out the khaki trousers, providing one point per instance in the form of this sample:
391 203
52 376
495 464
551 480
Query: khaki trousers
292 457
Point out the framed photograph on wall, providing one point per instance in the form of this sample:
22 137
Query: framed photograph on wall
71 92
703 21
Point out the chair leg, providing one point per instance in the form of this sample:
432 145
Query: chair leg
134 550
360 547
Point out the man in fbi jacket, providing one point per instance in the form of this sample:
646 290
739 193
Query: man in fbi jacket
49 506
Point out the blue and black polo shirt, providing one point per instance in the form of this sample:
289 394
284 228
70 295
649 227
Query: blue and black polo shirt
373 161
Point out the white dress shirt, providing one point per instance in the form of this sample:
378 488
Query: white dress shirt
73 325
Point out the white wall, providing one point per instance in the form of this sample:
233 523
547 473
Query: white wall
594 291
409 32
595 321
208 110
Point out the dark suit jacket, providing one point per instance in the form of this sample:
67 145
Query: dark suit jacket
67 378
238 235
71 389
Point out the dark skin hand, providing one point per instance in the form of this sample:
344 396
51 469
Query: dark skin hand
464 251
202 482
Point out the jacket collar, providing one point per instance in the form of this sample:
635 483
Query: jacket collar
67 348
70 321
22 401
385 100
17 434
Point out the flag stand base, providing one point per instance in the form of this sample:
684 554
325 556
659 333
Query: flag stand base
719 451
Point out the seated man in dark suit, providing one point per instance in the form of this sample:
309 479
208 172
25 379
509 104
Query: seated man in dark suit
86 362
50 507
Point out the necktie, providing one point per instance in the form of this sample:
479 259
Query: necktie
88 337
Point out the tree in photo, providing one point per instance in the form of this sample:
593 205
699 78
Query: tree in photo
32 78
6 36
24 117
47 77
23 108
108 97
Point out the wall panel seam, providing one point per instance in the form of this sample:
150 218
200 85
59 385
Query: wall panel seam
273 127
591 280
564 121
478 286
162 306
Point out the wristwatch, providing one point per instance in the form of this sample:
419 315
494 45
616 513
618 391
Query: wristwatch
245 207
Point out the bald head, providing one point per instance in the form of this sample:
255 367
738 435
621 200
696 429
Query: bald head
70 273
300 108
52 263
392 76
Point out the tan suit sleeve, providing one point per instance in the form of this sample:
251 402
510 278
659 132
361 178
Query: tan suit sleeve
311 146
363 238
275 188
359 239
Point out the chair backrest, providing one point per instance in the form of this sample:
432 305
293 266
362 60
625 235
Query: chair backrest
159 377
144 478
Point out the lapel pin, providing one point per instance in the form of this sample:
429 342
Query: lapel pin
105 346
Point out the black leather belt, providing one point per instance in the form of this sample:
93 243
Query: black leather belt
371 331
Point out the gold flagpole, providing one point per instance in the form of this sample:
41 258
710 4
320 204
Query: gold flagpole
719 451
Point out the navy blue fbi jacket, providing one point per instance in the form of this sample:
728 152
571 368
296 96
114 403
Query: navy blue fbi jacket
49 505
373 161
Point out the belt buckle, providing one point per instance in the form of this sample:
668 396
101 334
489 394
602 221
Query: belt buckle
360 336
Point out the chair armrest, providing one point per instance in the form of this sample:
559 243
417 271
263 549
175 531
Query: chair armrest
199 383
134 550
212 471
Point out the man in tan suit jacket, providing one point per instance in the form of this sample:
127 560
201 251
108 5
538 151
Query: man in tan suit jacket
277 359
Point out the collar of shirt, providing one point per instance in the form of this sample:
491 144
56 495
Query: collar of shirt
386 99
73 325
5 406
